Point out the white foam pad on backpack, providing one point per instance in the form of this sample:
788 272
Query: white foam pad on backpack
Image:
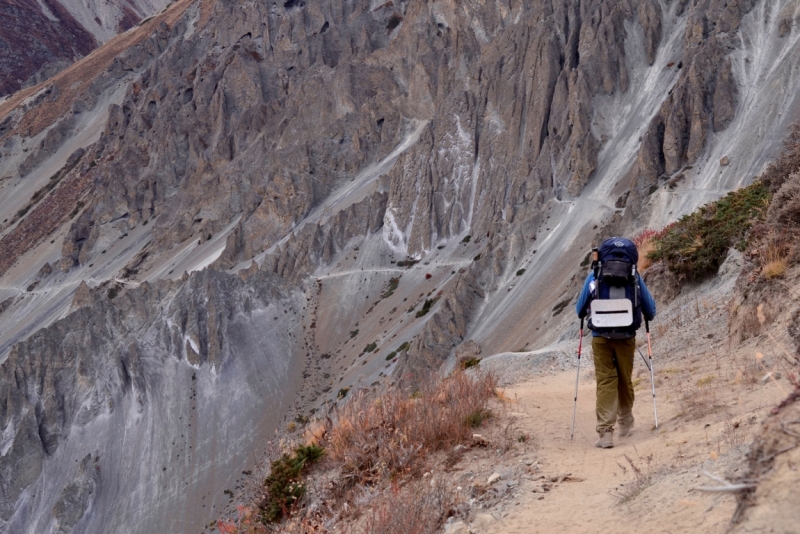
612 313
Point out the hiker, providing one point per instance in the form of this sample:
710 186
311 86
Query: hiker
619 297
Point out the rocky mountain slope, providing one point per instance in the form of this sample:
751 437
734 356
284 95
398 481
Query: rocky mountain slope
332 177
40 37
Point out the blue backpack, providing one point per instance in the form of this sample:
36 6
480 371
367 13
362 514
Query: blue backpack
616 308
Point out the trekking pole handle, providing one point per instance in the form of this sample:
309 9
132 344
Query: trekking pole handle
646 325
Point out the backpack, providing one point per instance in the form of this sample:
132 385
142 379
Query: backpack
616 308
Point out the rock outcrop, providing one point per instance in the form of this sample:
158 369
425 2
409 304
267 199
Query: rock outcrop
143 356
39 39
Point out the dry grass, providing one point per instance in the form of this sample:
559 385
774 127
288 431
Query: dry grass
374 438
382 448
772 249
698 403
646 242
416 508
643 475
705 380
246 522
775 268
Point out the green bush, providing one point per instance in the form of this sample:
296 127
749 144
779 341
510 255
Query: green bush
393 284
471 362
476 418
369 348
696 245
283 485
426 307
558 308
391 355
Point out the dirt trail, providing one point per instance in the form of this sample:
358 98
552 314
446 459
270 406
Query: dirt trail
679 451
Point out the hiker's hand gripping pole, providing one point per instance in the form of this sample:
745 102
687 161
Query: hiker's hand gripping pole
652 373
577 377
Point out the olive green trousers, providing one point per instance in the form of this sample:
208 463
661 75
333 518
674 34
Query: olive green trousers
613 364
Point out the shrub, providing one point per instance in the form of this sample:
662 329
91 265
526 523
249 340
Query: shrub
393 284
476 418
77 209
520 272
470 362
426 307
283 485
391 355
558 308
353 333
375 437
370 348
646 244
696 245
775 268
247 522
417 508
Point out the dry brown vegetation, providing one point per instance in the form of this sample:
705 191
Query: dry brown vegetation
76 79
380 449
374 438
416 508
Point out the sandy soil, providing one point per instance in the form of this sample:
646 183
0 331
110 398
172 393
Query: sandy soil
713 394
672 457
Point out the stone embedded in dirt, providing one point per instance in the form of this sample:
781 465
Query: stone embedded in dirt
724 161
494 477
482 521
477 490
457 527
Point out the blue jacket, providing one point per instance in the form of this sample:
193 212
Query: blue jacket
648 304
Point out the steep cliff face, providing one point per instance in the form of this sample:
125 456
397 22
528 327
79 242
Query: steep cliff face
40 38
125 395
429 173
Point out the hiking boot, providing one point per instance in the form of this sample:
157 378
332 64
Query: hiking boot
605 441
625 430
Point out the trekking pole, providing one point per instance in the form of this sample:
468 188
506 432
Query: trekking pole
652 373
643 358
577 377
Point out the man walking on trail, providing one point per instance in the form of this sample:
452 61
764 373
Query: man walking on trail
619 297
